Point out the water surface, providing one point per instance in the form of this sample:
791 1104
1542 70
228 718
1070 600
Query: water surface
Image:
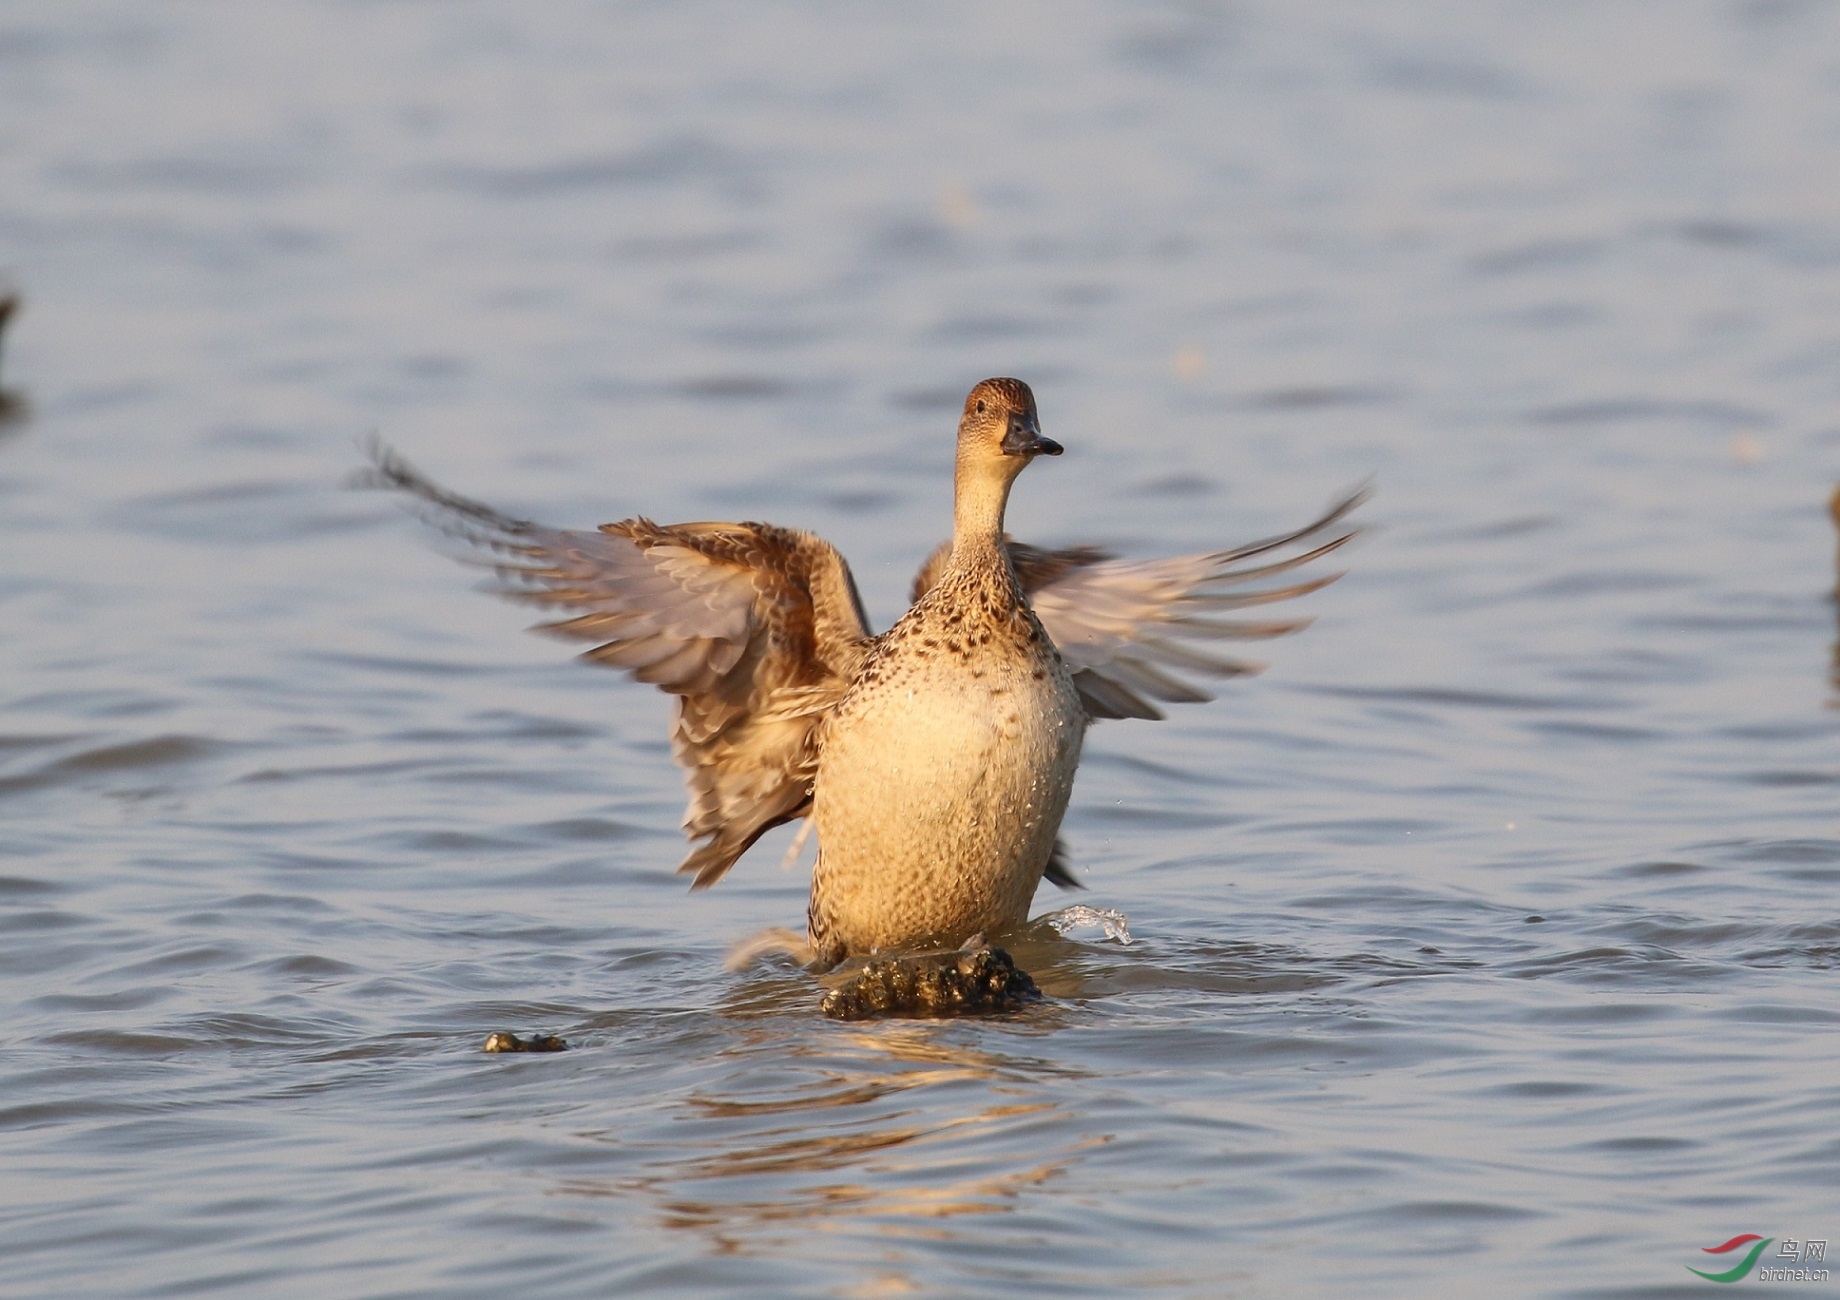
1485 945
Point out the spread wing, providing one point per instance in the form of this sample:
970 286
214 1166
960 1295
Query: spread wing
1127 628
757 630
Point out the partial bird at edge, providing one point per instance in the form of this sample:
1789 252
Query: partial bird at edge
13 404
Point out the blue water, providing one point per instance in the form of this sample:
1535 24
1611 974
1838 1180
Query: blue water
1486 945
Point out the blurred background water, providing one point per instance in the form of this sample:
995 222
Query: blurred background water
1486 945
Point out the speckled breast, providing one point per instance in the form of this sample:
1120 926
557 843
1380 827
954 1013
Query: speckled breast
942 782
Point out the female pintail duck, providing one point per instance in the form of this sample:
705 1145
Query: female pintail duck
936 759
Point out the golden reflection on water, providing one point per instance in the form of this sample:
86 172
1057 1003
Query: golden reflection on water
890 1122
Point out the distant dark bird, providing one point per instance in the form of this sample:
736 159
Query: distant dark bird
13 404
936 759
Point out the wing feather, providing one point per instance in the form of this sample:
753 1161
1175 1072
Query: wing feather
1127 627
756 630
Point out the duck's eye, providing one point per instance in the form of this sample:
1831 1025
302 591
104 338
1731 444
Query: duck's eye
980 406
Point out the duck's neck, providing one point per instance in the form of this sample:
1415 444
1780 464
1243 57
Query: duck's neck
981 491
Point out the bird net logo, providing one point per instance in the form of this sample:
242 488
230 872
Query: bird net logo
1790 1263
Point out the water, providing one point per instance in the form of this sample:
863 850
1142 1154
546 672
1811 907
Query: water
1486 945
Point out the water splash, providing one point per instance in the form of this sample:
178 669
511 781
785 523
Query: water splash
1078 917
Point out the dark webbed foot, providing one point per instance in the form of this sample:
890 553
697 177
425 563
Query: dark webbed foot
506 1041
983 981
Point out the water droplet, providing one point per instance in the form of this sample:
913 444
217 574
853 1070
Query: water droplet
1079 916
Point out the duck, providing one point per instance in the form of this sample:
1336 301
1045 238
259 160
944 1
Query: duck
935 761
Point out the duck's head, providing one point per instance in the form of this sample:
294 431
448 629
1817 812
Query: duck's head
999 427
